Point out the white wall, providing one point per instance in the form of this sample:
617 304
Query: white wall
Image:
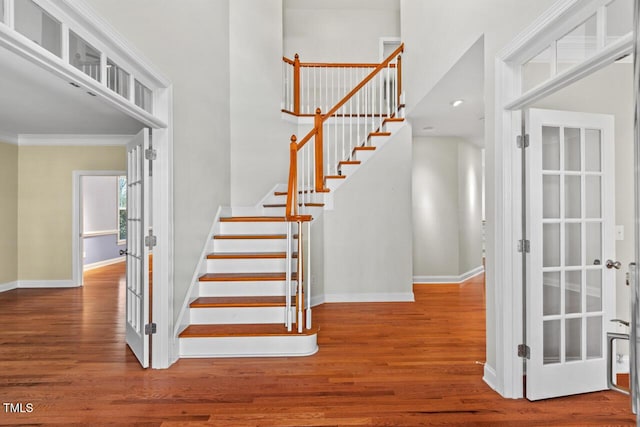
338 31
436 34
189 43
469 207
610 91
259 137
447 207
367 253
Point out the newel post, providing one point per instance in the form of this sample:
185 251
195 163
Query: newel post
296 84
319 184
292 188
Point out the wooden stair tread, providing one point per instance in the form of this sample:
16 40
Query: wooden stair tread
284 193
365 148
249 255
335 177
244 277
250 301
247 330
379 134
253 219
251 236
394 119
349 162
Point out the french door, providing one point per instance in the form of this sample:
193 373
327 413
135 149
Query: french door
137 294
570 292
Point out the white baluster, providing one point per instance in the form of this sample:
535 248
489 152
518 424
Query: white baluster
307 258
288 319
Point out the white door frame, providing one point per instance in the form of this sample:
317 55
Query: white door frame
77 244
506 376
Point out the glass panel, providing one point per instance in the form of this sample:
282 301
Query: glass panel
83 56
550 148
37 25
593 243
536 70
143 97
572 149
122 208
551 196
594 290
551 245
593 198
551 293
573 245
592 150
2 19
117 79
572 197
577 45
594 337
551 341
619 19
573 292
573 339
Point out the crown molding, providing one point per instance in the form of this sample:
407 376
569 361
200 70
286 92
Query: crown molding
72 140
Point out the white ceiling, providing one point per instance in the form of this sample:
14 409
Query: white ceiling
34 101
465 80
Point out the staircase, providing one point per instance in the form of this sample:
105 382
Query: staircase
250 300
241 307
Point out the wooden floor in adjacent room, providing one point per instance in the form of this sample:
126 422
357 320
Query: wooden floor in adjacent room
392 364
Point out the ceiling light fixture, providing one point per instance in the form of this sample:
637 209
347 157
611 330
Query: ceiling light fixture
457 103
427 128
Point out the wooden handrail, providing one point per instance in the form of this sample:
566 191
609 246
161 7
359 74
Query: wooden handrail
319 119
334 64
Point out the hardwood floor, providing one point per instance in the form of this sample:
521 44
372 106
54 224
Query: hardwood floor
393 364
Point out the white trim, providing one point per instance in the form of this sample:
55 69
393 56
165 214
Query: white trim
76 220
9 138
490 377
506 264
73 140
382 41
99 233
621 47
53 284
184 319
370 297
104 263
419 280
9 286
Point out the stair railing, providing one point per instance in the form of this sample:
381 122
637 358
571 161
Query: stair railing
346 125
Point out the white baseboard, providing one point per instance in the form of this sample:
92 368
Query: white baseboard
28 284
449 279
9 286
490 377
104 263
369 297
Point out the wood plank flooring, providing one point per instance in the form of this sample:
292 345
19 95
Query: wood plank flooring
392 364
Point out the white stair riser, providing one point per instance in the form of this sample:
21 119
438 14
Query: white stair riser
246 211
269 211
333 184
238 315
348 170
247 227
249 245
242 289
248 265
364 155
279 346
393 126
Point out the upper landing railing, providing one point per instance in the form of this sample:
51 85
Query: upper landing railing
357 98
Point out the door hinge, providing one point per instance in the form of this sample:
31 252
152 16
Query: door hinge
150 241
523 141
524 351
150 154
150 329
524 245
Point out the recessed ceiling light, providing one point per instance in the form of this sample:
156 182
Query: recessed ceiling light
427 128
457 102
